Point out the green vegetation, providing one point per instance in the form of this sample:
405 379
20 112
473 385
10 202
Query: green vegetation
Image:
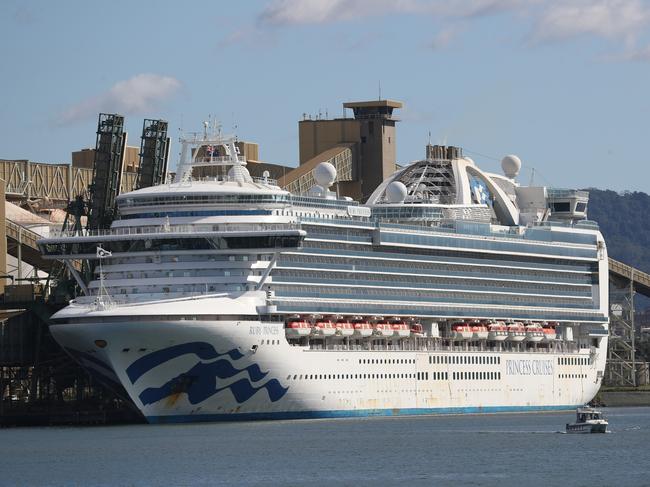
624 221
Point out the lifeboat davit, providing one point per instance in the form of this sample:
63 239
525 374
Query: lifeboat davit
344 328
549 331
516 332
461 331
383 328
361 327
534 332
497 331
479 331
400 329
324 327
297 327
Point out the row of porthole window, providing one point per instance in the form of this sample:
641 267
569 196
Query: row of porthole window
350 376
573 361
381 361
418 376
573 376
465 359
476 375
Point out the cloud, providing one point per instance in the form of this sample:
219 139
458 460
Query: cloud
612 19
621 22
444 37
139 94
299 12
296 12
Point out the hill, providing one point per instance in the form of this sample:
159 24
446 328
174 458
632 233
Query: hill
624 220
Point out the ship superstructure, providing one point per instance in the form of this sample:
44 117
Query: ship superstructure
449 290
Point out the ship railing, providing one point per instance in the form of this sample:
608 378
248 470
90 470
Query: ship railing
566 193
158 229
216 160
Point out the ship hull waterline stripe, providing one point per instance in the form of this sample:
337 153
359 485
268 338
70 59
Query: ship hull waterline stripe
352 413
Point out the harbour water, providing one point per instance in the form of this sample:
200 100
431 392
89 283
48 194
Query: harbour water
500 450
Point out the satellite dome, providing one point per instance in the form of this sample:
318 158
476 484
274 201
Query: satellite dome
239 174
511 165
395 192
325 174
469 161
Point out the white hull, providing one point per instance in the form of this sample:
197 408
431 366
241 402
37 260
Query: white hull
209 370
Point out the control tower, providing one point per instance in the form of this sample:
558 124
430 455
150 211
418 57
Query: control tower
369 137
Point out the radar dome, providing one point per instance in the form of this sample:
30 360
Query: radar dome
325 174
470 161
395 192
511 165
239 174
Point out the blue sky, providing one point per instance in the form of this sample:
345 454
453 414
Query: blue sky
562 84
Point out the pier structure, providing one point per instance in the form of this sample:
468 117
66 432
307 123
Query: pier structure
39 382
623 367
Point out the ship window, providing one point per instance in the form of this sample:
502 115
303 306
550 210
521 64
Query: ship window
581 207
561 206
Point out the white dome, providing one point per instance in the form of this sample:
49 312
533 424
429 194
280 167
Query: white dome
325 174
469 161
395 192
239 173
511 165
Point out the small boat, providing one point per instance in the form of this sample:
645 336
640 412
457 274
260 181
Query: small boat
534 332
297 327
383 328
344 328
588 420
497 331
516 332
461 331
549 331
479 331
416 329
400 329
362 328
324 327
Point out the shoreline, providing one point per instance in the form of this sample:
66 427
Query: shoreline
622 397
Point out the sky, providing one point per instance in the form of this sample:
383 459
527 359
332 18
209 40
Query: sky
562 84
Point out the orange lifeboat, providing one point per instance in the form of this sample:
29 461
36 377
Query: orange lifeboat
344 328
323 327
534 332
461 331
549 331
497 331
516 332
362 328
400 329
479 331
383 328
297 327
416 329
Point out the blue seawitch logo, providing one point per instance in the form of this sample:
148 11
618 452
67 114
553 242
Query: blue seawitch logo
480 192
202 380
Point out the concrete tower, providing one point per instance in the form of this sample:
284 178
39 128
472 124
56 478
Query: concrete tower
370 136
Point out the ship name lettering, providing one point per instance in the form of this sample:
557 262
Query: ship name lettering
263 330
529 367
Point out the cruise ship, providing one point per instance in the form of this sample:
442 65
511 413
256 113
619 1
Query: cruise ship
450 290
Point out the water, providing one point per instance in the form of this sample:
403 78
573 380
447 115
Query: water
500 450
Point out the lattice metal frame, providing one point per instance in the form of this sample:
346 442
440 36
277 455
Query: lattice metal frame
107 170
154 153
